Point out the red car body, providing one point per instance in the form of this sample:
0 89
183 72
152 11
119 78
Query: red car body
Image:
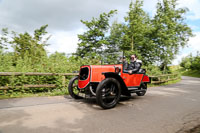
96 73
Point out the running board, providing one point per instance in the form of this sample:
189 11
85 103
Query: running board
134 90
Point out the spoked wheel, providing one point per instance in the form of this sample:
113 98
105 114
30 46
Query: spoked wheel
143 89
108 93
73 88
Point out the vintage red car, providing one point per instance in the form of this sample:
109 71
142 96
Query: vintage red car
107 83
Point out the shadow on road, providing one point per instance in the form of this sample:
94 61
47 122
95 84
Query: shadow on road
91 102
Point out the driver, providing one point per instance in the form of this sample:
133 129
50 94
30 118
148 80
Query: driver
124 62
134 65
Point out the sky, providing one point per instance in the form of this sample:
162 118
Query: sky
63 18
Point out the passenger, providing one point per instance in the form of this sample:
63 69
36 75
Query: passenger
124 62
134 65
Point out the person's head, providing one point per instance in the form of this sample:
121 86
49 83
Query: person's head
123 58
133 57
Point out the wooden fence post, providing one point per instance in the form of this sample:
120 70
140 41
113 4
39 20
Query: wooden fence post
63 81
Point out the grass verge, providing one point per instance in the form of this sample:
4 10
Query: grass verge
191 73
166 83
21 95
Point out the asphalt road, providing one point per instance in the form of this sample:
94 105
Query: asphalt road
167 109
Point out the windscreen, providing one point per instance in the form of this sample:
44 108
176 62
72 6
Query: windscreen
84 73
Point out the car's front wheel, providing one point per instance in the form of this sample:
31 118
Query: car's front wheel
73 88
108 93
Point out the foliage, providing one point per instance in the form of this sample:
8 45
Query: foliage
195 64
55 63
154 40
186 62
137 33
29 46
153 70
191 62
115 40
94 40
191 65
191 73
29 55
170 31
3 39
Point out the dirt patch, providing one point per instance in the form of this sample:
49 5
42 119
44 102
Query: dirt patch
194 130
191 123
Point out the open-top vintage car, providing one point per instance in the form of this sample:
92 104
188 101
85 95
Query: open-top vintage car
107 83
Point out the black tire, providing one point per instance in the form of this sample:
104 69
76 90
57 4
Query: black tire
143 89
108 93
73 88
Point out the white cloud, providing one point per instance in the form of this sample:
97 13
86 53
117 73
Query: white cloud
194 27
23 15
193 47
194 42
179 58
150 6
193 6
65 42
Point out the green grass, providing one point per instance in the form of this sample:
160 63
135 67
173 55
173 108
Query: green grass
191 73
21 95
166 83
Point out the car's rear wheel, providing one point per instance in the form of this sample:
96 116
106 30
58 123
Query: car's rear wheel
108 93
73 88
143 89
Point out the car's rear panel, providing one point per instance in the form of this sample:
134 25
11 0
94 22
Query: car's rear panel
132 80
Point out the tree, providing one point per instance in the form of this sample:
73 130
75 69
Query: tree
170 31
195 62
93 41
186 62
137 33
191 62
4 39
115 38
29 46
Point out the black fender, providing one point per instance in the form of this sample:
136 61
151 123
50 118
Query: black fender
124 89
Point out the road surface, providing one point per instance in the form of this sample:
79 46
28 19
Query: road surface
166 109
